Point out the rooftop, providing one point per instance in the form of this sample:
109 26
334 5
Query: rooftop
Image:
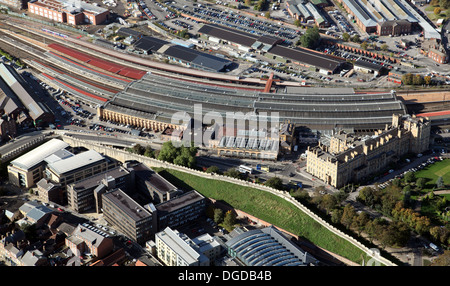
126 204
74 162
37 155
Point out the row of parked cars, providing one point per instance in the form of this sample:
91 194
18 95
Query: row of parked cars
431 160
237 21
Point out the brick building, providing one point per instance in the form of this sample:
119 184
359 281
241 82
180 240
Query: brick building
394 28
69 11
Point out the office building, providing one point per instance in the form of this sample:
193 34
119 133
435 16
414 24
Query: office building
28 169
49 192
178 211
70 168
129 217
152 185
177 249
85 195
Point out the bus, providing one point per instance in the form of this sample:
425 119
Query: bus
245 169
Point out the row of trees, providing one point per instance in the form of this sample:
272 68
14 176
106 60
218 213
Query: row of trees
410 79
181 155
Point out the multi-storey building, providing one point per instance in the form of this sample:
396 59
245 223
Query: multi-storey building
75 167
129 217
394 28
178 211
28 169
152 185
177 249
86 194
349 158
49 192
69 11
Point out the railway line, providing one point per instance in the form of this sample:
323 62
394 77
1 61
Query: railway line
152 91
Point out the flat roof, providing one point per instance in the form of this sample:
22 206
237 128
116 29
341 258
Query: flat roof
228 34
126 204
179 202
153 178
74 162
95 180
37 155
308 57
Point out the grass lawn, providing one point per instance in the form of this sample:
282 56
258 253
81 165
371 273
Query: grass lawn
432 172
267 207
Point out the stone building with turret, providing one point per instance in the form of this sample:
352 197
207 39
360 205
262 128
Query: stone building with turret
349 158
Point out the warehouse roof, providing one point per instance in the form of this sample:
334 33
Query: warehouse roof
308 57
198 58
150 44
227 34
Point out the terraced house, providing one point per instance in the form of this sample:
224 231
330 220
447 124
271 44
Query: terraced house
346 158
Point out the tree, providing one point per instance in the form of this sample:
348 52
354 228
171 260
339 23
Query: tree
336 216
345 37
229 220
440 182
267 15
218 216
356 39
328 203
232 172
367 196
149 152
275 183
444 4
437 11
409 177
443 259
297 22
407 79
427 79
310 38
168 152
364 45
347 215
420 183
360 221
418 80
384 47
248 3
183 156
213 169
